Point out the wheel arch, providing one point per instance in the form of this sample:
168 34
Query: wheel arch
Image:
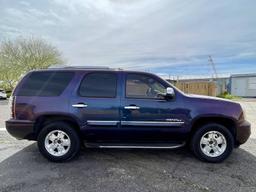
44 119
227 122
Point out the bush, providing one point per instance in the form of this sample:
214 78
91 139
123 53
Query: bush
8 93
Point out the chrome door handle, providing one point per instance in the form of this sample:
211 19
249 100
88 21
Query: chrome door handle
79 105
131 107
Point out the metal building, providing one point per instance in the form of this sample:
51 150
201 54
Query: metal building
243 85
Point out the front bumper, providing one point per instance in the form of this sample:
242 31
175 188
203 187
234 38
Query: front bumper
243 132
20 129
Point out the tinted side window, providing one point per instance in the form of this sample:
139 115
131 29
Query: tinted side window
45 84
143 86
99 85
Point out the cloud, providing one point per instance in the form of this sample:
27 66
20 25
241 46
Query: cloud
141 34
24 3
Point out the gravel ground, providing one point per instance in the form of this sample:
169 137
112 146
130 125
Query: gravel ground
22 168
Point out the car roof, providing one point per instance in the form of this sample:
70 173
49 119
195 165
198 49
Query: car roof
82 68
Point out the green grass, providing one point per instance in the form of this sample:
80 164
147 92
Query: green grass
228 96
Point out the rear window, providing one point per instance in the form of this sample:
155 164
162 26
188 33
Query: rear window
45 84
101 85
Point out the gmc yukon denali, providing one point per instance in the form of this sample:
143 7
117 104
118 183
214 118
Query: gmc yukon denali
65 108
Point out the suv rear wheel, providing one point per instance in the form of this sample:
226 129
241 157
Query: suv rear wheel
212 142
58 142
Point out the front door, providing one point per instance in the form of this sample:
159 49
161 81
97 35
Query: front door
147 116
97 105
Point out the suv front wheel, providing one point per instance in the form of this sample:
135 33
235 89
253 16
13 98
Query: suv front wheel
58 142
212 143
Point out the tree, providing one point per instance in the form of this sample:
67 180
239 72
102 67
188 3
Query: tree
22 55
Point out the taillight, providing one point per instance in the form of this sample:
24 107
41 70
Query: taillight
12 106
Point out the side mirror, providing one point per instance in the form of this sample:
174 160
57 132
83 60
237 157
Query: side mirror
170 92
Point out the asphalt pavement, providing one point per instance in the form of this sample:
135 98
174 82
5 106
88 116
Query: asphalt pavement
22 168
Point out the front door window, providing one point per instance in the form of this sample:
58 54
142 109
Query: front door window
143 87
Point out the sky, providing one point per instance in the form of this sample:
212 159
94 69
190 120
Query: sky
167 37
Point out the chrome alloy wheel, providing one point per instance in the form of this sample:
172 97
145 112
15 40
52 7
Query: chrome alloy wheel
57 143
213 144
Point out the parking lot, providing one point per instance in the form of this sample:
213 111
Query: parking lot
22 168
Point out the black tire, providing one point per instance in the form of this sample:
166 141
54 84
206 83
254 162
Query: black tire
74 147
195 142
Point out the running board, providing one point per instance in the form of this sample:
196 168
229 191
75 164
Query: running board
134 146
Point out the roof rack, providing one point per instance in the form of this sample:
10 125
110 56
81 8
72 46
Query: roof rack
77 67
86 67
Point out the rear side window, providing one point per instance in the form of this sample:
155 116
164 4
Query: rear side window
45 84
101 85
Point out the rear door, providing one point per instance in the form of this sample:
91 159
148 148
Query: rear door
96 103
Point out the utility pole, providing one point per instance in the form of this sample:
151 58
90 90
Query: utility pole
213 66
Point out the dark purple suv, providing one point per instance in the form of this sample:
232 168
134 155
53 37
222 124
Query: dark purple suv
106 108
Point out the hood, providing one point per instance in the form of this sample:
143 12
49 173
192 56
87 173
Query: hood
210 98
213 105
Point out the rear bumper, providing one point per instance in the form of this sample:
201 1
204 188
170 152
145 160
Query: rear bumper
20 129
243 132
